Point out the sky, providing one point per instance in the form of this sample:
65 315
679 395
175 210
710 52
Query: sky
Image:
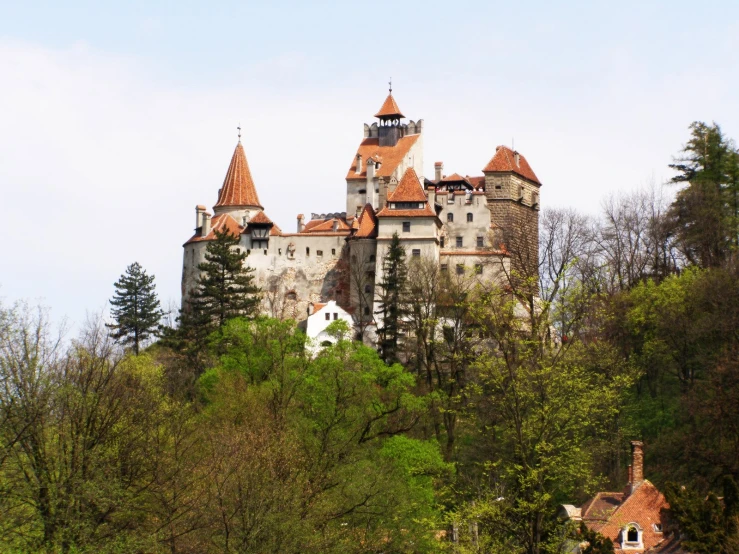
116 119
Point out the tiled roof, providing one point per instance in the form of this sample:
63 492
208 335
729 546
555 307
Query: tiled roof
391 156
426 211
390 108
477 182
325 225
505 160
409 189
262 218
643 506
218 222
367 226
238 187
454 178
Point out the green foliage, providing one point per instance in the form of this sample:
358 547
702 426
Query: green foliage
136 308
392 305
596 543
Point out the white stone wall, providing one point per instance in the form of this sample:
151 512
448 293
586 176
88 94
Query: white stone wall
459 205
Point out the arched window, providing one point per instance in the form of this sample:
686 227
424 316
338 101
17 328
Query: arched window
450 217
469 218
632 535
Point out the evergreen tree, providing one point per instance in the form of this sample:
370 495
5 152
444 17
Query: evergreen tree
136 308
706 212
392 308
225 289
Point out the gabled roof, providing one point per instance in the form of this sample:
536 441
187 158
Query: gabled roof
643 507
260 219
409 189
454 178
389 156
326 226
238 187
367 223
218 222
390 108
426 211
504 160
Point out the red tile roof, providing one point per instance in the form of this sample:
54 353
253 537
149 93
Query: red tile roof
390 108
325 225
238 187
391 156
367 226
426 211
218 222
504 160
453 178
643 506
262 218
477 182
409 189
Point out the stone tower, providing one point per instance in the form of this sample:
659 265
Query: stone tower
512 191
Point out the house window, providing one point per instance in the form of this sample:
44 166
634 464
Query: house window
328 316
632 537
459 242
478 269
406 226
416 252
480 242
444 268
319 253
450 217
469 218
460 269
336 316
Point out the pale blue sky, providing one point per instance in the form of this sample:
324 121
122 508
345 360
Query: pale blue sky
117 119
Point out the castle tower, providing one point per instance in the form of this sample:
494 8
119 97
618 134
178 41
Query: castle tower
512 191
238 195
387 150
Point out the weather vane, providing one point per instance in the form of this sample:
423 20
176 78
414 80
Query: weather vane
239 128
390 82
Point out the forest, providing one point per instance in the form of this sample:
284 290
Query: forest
485 407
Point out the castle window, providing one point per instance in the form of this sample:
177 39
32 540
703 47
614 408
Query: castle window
328 316
444 268
480 242
366 310
370 274
319 253
406 226
291 296
307 251
367 288
362 191
372 257
265 251
469 218
498 187
459 242
333 251
478 269
416 252
450 217
279 251
441 242
460 269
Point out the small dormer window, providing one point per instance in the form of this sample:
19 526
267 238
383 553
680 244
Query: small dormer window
631 537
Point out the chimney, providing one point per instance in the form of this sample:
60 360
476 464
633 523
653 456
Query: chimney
431 196
359 164
370 171
335 226
438 168
518 159
301 223
637 464
199 211
205 229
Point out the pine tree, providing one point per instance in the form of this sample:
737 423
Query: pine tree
706 212
225 289
136 308
392 307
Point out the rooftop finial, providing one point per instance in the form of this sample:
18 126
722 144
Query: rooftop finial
390 82
239 128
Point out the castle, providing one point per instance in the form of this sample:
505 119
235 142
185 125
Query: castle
484 224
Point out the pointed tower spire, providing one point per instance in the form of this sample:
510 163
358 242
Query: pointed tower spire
238 187
389 110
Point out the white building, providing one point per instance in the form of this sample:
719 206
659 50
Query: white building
320 316
466 224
